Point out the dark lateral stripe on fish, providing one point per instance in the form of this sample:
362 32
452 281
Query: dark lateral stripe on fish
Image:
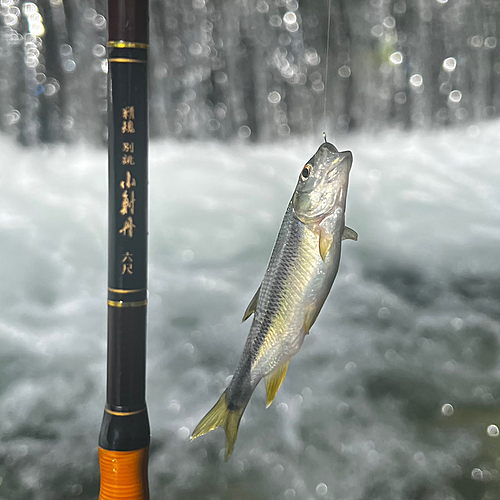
289 255
264 321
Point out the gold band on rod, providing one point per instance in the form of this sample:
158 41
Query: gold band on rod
126 60
121 303
119 290
123 413
122 44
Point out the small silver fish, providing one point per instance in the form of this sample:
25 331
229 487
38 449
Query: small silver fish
300 273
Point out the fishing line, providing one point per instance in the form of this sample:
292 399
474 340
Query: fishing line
326 66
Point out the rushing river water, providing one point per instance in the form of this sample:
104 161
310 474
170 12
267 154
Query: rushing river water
395 394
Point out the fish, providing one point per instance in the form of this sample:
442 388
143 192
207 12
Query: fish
300 273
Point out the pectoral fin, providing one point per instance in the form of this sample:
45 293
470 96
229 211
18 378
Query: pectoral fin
252 306
325 243
273 382
349 234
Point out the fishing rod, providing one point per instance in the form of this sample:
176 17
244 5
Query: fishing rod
124 437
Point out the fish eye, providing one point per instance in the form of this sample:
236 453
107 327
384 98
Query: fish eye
305 172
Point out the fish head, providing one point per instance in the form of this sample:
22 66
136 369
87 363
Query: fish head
322 184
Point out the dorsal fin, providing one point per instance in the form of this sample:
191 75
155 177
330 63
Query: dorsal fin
252 306
274 380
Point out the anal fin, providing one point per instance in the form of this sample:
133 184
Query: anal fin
274 381
310 317
252 306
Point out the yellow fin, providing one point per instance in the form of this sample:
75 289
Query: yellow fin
252 306
221 416
232 424
325 243
216 417
310 318
273 382
349 234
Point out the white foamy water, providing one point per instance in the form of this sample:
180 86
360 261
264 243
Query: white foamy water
411 326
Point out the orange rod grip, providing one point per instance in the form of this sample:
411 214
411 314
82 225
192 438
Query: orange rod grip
124 474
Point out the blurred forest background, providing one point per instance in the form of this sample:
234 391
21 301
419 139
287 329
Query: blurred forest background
254 68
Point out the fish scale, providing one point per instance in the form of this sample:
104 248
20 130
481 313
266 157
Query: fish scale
298 278
277 296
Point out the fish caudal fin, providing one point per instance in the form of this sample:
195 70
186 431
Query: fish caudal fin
221 416
232 424
273 382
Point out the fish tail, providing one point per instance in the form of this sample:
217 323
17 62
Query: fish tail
221 416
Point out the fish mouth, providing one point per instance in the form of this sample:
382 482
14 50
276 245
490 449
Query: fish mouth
343 160
347 159
330 147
